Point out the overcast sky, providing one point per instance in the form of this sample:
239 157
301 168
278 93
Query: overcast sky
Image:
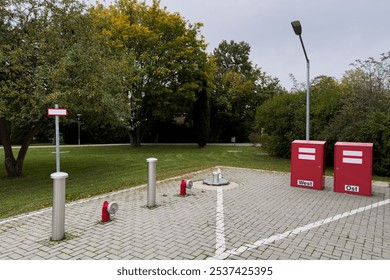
335 32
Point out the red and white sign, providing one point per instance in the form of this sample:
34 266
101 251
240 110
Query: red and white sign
57 112
307 153
354 157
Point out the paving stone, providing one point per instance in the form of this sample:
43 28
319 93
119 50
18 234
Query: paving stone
262 206
63 256
201 257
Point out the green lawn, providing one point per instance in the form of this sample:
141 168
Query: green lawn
97 170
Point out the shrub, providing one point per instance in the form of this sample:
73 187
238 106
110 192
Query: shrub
255 138
282 119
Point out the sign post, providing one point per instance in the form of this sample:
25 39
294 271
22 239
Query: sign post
58 212
57 113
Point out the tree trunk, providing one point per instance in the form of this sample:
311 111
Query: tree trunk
14 167
201 112
9 158
135 137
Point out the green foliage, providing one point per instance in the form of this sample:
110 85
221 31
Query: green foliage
50 54
377 130
255 138
168 53
371 76
325 95
201 116
354 110
282 120
364 109
101 132
240 88
97 170
234 57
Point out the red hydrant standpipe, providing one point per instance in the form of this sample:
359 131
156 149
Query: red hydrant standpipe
184 185
105 213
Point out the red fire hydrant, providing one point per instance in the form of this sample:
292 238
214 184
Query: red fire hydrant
184 185
105 213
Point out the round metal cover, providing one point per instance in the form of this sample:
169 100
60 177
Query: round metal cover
112 207
189 184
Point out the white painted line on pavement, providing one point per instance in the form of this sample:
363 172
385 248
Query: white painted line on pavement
269 240
220 225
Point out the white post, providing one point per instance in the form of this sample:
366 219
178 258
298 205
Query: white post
58 209
151 189
57 128
79 128
78 125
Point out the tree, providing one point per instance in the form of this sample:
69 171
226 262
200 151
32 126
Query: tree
325 99
234 56
364 109
357 109
282 117
240 89
282 120
364 92
370 76
48 54
168 54
201 115
26 45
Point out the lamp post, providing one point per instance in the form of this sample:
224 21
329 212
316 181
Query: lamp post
296 25
78 126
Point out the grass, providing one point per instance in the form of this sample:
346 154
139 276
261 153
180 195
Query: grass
97 170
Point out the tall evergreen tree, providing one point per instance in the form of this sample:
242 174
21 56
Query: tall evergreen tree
201 115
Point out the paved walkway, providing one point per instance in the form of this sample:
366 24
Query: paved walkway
260 217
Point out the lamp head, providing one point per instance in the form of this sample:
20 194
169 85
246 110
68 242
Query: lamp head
296 25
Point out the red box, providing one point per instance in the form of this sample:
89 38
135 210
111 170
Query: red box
353 168
308 164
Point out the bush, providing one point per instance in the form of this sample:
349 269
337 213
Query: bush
344 117
282 119
255 138
376 130
363 118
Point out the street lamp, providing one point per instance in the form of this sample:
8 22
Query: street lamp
296 25
78 124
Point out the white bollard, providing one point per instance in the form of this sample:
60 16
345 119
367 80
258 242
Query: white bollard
58 208
151 189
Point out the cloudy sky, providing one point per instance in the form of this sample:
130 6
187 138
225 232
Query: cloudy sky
335 32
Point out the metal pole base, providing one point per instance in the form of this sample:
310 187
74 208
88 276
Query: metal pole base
151 190
58 212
